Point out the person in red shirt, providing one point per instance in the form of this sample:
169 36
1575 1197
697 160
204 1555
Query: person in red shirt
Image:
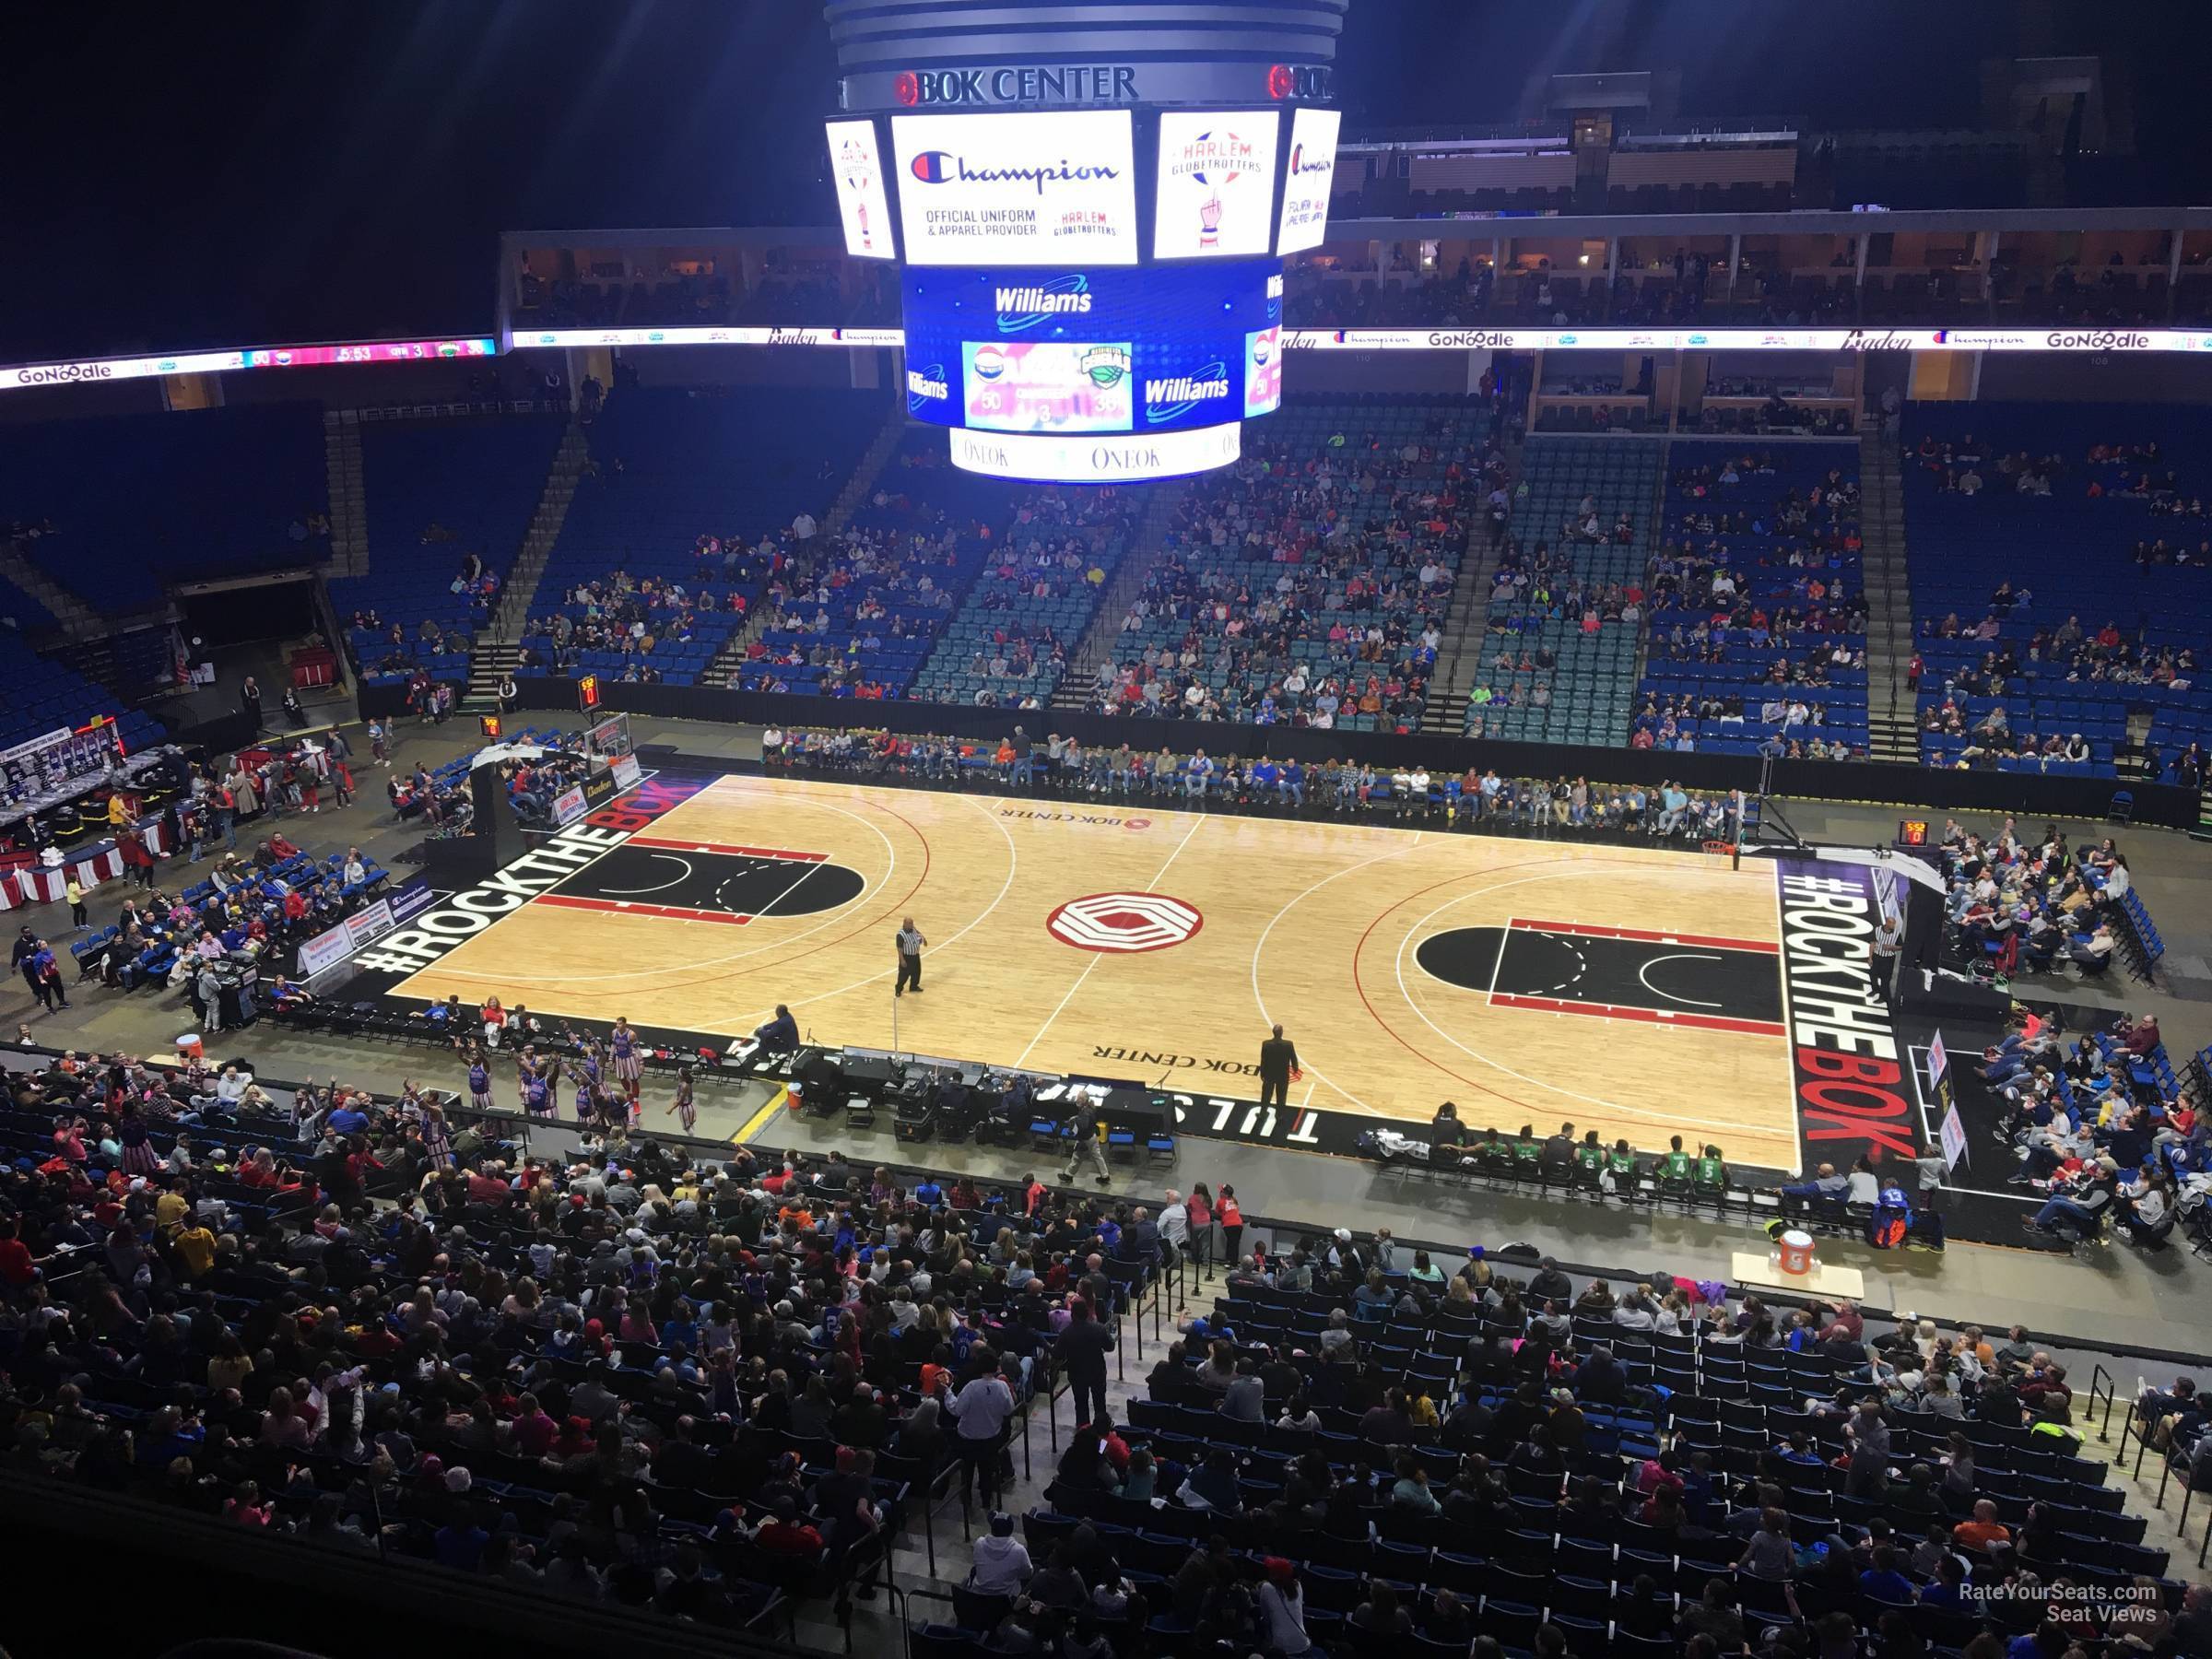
282 847
785 1533
534 1430
486 1189
18 1266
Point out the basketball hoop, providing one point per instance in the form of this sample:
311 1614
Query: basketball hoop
1719 849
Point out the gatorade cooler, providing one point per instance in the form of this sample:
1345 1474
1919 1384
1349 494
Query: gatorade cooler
188 1046
1793 1251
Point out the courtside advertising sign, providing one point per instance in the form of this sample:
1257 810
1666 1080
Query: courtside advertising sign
1016 188
862 204
1216 183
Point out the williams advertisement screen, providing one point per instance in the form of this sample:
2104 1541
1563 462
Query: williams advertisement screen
1085 349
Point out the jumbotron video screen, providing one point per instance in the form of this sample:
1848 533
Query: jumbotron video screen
1088 295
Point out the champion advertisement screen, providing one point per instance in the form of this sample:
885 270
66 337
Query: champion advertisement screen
1027 188
1307 180
1162 348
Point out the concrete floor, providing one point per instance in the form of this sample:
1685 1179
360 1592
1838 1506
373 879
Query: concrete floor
2112 1292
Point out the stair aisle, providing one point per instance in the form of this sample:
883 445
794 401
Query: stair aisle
721 668
1077 687
1889 698
349 493
498 648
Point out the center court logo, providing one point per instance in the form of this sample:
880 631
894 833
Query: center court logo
1020 309
1123 923
942 166
1179 395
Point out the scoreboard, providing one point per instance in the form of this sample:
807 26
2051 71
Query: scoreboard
1099 292
1162 354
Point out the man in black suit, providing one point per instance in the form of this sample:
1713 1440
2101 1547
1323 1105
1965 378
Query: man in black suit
1278 1059
1081 1352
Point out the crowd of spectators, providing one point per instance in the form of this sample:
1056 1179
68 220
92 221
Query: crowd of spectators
1063 765
2094 1132
2070 653
1784 1481
2018 906
856 614
1759 614
1308 584
1008 646
624 1376
616 614
687 1387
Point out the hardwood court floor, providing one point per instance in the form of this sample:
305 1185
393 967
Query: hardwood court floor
1629 990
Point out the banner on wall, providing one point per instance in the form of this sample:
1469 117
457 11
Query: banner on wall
2083 342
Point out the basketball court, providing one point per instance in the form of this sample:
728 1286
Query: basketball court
1634 991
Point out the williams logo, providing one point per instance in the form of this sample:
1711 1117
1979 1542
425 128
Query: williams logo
942 166
926 386
1178 395
1105 365
1021 308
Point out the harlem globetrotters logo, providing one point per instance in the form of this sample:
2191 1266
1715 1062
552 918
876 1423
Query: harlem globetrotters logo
1212 160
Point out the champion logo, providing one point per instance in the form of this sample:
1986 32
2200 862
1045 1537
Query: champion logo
942 166
1317 163
1178 394
1020 309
